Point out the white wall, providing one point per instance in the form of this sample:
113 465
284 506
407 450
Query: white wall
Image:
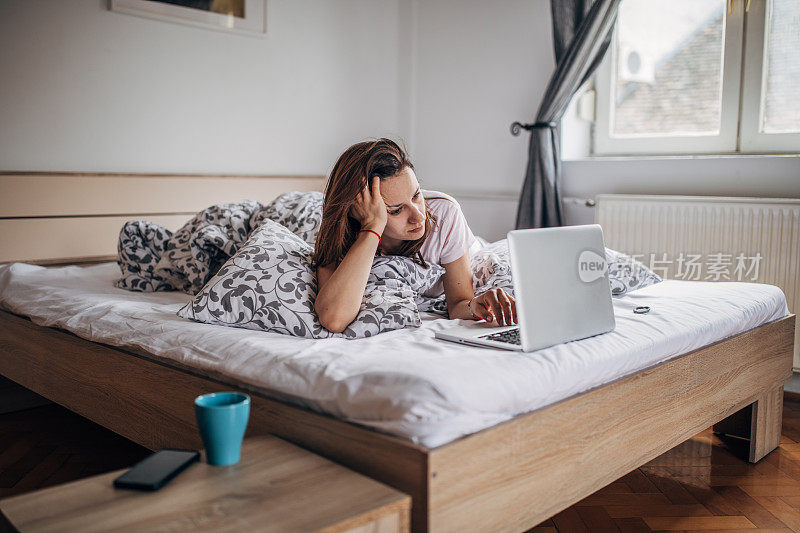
478 67
87 89
472 82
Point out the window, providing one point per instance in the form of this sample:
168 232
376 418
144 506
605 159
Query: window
700 76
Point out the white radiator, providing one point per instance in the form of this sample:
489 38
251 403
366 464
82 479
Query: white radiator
710 239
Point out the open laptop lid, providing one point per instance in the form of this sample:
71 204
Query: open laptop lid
561 285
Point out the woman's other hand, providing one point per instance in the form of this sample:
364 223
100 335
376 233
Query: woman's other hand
369 208
495 304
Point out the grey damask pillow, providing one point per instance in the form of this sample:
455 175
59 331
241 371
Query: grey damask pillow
270 285
491 269
300 212
627 274
141 244
196 251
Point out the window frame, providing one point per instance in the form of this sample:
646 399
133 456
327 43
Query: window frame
753 78
744 47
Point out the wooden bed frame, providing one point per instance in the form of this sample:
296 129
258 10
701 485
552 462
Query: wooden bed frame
505 478
509 477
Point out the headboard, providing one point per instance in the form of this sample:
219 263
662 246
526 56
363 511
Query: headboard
69 217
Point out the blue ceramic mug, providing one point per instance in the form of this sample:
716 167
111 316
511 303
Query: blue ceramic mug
222 419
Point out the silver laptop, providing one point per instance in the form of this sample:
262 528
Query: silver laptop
561 287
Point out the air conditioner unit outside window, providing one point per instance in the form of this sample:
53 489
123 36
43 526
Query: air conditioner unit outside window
634 65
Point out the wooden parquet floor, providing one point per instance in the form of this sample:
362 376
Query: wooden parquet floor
50 445
700 485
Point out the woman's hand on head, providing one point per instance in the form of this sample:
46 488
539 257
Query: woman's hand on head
495 304
369 208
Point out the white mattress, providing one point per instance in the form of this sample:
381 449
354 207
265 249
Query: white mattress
405 383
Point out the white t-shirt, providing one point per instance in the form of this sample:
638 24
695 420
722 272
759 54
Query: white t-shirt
450 238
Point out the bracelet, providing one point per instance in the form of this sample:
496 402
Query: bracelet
469 306
373 232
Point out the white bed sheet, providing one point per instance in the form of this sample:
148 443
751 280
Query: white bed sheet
405 382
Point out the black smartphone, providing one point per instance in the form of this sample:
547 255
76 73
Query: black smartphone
154 471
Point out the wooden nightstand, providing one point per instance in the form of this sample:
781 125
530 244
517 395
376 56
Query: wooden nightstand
275 487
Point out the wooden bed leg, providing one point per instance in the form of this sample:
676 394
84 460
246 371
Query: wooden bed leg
759 423
765 427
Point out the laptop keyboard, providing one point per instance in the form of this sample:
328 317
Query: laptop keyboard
510 336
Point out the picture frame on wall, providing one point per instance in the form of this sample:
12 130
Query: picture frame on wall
237 16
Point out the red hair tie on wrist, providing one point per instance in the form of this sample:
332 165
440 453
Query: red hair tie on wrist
373 232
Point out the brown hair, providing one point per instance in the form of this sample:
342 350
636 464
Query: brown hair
351 173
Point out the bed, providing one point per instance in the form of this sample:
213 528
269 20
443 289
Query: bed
504 472
479 463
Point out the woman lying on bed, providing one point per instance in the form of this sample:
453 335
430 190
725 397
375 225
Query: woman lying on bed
374 205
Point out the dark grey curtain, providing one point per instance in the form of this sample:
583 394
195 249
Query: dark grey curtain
581 35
